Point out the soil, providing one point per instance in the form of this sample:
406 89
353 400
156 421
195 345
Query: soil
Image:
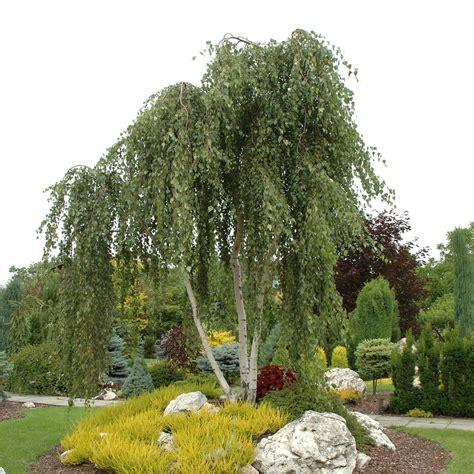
372 404
11 410
50 462
413 455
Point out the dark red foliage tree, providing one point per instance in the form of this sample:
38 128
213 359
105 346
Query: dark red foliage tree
396 261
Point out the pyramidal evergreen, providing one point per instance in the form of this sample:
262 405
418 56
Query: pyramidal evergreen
119 368
138 380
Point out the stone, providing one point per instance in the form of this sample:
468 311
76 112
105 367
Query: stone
362 461
106 394
2 471
248 470
315 443
28 405
186 402
103 434
165 440
375 430
345 378
66 453
210 408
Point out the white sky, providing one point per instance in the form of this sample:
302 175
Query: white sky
73 75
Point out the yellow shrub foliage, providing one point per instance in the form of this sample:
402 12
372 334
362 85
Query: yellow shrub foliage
205 442
321 358
219 338
348 394
339 358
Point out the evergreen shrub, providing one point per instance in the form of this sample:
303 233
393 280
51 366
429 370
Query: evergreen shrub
339 358
321 358
227 357
164 373
138 380
281 357
37 370
119 368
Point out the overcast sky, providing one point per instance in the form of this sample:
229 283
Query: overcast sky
73 75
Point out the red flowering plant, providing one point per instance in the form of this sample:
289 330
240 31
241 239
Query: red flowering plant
273 377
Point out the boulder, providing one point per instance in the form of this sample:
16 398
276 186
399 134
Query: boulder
186 402
210 408
248 470
106 394
375 430
345 378
28 405
314 443
2 471
362 461
165 440
65 453
103 434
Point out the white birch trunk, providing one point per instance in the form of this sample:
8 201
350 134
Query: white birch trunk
205 343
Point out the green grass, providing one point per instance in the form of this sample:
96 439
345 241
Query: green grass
22 440
458 442
383 386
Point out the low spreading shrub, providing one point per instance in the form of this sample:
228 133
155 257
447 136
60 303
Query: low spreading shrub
299 397
206 442
348 395
339 358
220 338
164 373
273 377
419 413
37 369
138 380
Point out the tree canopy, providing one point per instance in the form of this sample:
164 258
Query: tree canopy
261 166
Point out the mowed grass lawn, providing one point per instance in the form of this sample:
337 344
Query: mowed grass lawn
459 443
22 440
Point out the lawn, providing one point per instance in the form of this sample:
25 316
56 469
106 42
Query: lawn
459 443
383 385
22 440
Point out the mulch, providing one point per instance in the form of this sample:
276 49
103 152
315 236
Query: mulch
413 455
372 404
11 410
50 462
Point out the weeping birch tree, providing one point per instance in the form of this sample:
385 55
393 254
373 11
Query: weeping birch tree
261 166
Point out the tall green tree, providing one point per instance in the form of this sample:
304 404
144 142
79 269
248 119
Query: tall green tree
463 282
261 166
376 313
10 298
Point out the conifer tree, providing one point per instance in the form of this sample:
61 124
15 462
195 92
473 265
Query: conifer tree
138 380
119 368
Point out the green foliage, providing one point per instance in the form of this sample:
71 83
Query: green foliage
227 357
205 383
405 396
5 367
419 413
463 283
440 316
321 359
163 373
281 356
138 380
376 314
37 369
265 353
268 141
119 368
339 357
428 359
299 397
457 369
373 359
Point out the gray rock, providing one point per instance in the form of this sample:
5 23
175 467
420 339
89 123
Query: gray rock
186 402
375 430
345 378
103 434
106 394
210 408
66 453
315 443
165 440
2 471
28 405
248 470
362 461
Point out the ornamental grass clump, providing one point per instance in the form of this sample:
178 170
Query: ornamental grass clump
204 442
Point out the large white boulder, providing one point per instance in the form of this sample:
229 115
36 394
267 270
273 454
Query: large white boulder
186 402
2 471
315 443
345 378
375 430
362 461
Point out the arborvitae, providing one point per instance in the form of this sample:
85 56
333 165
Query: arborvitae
138 381
428 366
403 374
339 357
19 336
119 368
463 284
281 357
376 314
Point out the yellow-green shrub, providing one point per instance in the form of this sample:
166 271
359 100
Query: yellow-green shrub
419 413
339 357
220 338
206 442
348 394
321 358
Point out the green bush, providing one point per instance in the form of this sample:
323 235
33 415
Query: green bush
373 359
267 349
119 368
419 413
339 358
227 357
281 357
37 369
299 397
321 358
138 380
164 373
405 396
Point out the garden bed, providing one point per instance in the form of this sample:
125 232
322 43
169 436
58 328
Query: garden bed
51 462
12 410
